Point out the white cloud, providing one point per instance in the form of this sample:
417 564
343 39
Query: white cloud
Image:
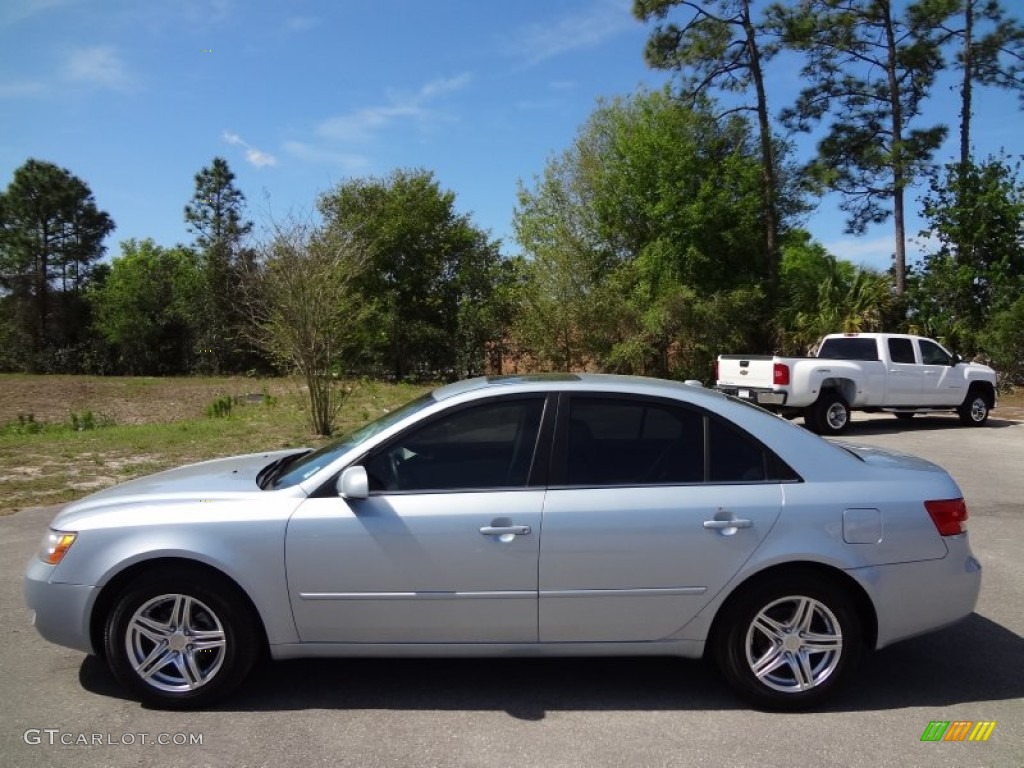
12 11
301 23
349 161
21 89
100 66
588 29
361 124
874 252
256 157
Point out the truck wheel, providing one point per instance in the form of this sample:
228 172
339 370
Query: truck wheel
974 409
811 419
831 414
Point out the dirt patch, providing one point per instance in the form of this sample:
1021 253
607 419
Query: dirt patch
126 400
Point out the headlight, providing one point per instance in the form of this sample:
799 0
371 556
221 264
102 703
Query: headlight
55 545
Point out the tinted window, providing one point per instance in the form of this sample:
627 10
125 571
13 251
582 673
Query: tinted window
482 446
851 348
901 351
311 463
932 353
624 442
734 456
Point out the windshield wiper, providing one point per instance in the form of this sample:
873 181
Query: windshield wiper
269 474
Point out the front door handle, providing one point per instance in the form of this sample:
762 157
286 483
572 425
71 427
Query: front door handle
506 530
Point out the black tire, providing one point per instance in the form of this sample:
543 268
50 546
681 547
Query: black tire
973 411
811 419
831 414
155 625
905 416
795 606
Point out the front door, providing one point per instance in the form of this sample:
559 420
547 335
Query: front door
444 550
943 383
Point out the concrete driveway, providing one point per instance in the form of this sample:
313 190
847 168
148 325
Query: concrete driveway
594 712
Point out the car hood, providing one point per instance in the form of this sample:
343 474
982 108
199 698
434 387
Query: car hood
207 480
881 457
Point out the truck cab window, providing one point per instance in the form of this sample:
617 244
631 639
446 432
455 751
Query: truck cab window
901 351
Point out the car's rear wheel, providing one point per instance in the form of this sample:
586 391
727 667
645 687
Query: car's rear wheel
787 644
178 642
974 410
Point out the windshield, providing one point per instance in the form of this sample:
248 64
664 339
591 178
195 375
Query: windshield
311 463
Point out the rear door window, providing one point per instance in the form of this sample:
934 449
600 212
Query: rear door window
901 351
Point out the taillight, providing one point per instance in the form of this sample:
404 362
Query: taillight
780 374
949 516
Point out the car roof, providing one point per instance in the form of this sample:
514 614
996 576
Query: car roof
576 381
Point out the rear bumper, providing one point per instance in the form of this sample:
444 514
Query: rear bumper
913 598
758 395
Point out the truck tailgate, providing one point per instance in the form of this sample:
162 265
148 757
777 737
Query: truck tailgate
746 371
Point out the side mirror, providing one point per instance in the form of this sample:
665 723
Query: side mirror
353 483
955 360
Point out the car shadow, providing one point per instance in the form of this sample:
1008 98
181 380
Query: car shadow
892 425
943 668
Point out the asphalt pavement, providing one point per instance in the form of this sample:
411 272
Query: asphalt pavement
61 708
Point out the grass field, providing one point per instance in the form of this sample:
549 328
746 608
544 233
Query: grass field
62 437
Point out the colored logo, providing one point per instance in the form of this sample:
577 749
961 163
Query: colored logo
958 730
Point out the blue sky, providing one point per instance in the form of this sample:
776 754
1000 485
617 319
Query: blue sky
135 97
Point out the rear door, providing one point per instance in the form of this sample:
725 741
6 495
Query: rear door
905 378
653 507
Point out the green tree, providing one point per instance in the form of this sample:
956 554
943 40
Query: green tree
822 294
429 270
51 234
304 310
1003 341
720 45
216 217
147 307
989 51
655 208
870 68
975 214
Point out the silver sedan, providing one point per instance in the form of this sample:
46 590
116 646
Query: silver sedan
526 515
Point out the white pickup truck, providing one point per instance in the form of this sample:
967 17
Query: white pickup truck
891 372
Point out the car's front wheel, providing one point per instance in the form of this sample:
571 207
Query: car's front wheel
180 641
787 644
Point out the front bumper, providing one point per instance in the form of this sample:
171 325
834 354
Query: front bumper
61 610
758 395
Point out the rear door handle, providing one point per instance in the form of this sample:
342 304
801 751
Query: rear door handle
504 530
719 525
